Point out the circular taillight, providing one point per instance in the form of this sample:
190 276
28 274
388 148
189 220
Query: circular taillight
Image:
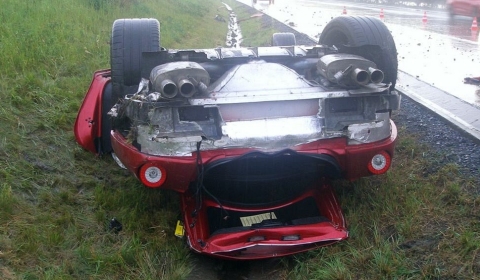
152 175
379 163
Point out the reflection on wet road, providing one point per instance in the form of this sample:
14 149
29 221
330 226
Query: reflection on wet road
431 46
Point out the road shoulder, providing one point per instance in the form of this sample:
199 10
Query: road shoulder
459 113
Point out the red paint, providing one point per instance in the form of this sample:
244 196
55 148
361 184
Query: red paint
353 161
469 8
236 245
88 125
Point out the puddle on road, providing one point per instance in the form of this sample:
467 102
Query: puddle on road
439 60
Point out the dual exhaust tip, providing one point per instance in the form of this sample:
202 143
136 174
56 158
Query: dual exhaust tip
184 87
184 78
349 70
359 76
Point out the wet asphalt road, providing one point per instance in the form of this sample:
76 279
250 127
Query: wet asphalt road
440 51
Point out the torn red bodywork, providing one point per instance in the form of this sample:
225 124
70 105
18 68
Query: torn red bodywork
250 138
240 244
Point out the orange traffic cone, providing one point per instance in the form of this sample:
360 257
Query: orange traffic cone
424 19
474 35
474 25
382 16
344 10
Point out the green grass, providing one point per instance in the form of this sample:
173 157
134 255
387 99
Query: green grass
416 222
410 223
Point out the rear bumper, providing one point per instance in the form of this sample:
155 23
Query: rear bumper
353 160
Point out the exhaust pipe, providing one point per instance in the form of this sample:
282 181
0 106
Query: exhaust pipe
168 88
360 76
349 70
186 88
162 78
376 75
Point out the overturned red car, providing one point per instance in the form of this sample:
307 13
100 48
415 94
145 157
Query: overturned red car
250 138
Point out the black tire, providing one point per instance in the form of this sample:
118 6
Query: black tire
131 37
283 39
107 104
367 37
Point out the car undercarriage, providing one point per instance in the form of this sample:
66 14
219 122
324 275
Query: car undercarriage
251 138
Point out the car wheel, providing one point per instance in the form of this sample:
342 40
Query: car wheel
131 37
367 37
283 39
107 104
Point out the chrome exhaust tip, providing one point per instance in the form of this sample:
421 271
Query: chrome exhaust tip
360 76
376 75
186 88
168 88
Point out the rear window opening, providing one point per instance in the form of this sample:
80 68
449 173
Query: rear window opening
302 212
264 180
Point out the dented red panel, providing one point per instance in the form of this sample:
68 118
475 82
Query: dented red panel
265 242
249 137
88 123
181 171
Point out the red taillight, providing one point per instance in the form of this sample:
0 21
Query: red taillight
380 163
152 175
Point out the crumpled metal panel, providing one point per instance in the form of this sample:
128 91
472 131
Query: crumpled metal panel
266 134
371 131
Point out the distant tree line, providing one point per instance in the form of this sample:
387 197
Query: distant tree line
424 3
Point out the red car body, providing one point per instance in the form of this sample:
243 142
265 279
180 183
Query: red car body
257 243
250 138
470 8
